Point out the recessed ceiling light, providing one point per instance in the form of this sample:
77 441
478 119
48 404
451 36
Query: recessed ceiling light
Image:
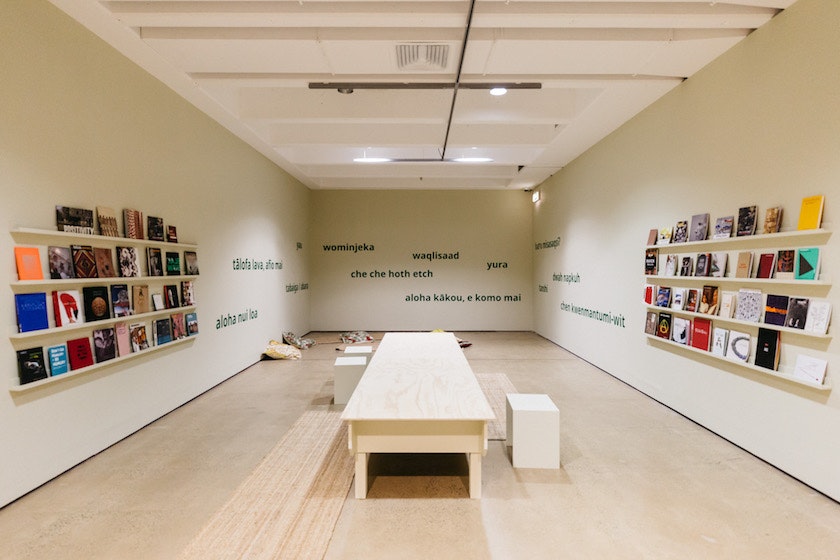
472 159
498 91
371 159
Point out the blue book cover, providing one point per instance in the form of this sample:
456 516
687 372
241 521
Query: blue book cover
58 359
31 311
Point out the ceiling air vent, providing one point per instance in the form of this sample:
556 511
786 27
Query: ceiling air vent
422 56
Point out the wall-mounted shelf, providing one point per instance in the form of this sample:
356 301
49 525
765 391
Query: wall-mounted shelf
784 238
20 234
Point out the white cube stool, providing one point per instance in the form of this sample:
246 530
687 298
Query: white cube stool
533 430
348 372
359 350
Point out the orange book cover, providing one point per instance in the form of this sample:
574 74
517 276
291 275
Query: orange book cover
28 261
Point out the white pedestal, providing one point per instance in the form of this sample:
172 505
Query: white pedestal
533 430
348 372
359 351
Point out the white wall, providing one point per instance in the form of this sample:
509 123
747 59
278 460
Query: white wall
758 126
81 126
367 287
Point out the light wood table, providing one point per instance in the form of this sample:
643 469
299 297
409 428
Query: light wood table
418 395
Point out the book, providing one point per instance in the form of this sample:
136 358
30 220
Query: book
810 212
139 342
806 264
680 327
187 293
767 348
772 220
170 296
154 261
31 366
719 260
172 234
818 316
651 261
104 344
173 263
107 219
31 310
678 296
79 353
179 326
140 297
720 338
738 346
749 305
133 223
157 302
746 221
163 331
701 333
155 228
67 308
784 264
74 220
57 358
670 265
84 263
743 267
665 234
663 327
699 227
692 300
650 289
120 302
192 322
652 235
123 338
709 300
96 300
60 262
104 262
797 313
190 263
723 227
727 304
703 264
776 309
687 266
680 234
128 263
663 296
810 369
28 262
650 323
766 265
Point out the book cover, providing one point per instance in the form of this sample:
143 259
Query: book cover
650 289
192 322
680 234
720 339
651 261
155 228
749 305
680 327
133 223
79 353
191 263
703 264
687 266
746 221
97 306
723 227
699 227
811 211
806 264
157 302
650 322
67 308
772 220
140 296
663 328
28 261
107 221
163 331
104 262
709 300
128 262
123 338
810 369
154 261
170 296
57 358
187 293
727 304
74 220
31 311
179 326
663 296
738 346
120 301
104 344
692 300
743 268
138 337
797 313
701 333
31 366
776 309
84 263
173 263
665 234
172 234
784 264
719 260
766 265
678 296
61 263
652 235
670 265
818 316
767 348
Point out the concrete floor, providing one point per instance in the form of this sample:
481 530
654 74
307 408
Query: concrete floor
637 480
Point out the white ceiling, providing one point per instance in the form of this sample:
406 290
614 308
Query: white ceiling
249 64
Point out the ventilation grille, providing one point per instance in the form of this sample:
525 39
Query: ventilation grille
422 56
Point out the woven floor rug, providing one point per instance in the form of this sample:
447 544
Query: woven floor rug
495 386
289 505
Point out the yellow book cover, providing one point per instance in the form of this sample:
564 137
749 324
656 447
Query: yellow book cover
810 214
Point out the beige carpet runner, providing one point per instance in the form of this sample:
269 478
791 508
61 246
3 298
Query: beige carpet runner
495 386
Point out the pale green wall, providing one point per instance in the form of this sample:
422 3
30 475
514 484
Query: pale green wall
760 125
82 126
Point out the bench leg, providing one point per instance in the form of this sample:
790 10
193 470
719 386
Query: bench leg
362 475
475 476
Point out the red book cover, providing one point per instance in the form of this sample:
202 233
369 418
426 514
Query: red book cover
766 264
701 333
79 352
